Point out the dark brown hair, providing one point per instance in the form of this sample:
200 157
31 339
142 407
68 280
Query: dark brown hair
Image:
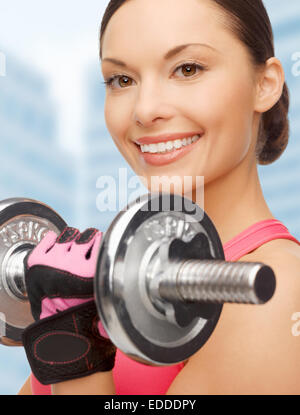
250 23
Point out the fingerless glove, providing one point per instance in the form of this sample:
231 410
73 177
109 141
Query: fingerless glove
67 339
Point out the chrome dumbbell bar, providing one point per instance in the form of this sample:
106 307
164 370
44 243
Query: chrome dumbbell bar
162 279
160 283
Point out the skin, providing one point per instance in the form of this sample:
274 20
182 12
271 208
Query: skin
252 350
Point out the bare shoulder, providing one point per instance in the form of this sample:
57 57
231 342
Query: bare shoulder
278 248
254 349
283 256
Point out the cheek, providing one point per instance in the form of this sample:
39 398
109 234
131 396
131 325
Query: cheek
117 116
222 97
237 122
223 106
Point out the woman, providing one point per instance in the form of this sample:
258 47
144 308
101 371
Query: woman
207 68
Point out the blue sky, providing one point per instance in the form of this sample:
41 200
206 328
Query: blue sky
57 39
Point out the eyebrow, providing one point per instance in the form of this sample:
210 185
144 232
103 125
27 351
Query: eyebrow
170 54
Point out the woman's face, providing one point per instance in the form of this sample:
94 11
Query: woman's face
206 89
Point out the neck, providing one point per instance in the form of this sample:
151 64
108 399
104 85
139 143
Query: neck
235 201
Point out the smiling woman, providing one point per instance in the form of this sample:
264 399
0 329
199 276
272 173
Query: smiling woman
210 72
193 89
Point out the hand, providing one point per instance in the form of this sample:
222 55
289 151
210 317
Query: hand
59 271
59 281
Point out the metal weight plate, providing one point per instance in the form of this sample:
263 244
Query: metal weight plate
23 222
134 237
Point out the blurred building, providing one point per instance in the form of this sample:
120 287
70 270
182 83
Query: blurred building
32 163
32 166
104 174
280 180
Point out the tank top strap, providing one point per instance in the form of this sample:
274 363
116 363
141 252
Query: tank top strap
255 236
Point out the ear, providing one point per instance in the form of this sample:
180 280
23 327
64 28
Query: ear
270 85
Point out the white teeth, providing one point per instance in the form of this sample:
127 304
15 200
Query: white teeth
161 147
177 143
169 145
152 148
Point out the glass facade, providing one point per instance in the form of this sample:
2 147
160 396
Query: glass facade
32 166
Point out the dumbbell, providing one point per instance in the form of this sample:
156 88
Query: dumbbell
161 278
23 224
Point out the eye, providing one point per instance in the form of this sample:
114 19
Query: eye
189 69
121 79
124 81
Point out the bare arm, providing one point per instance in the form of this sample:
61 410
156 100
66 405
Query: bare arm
26 388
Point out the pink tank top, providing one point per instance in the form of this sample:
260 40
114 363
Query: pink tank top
133 378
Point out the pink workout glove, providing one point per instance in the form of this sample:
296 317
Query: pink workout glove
67 340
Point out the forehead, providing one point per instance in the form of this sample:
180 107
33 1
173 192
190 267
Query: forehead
156 25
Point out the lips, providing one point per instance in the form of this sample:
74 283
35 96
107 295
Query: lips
162 159
167 137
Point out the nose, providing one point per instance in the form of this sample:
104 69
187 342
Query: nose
151 106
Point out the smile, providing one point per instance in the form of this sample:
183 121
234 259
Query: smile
169 145
163 153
